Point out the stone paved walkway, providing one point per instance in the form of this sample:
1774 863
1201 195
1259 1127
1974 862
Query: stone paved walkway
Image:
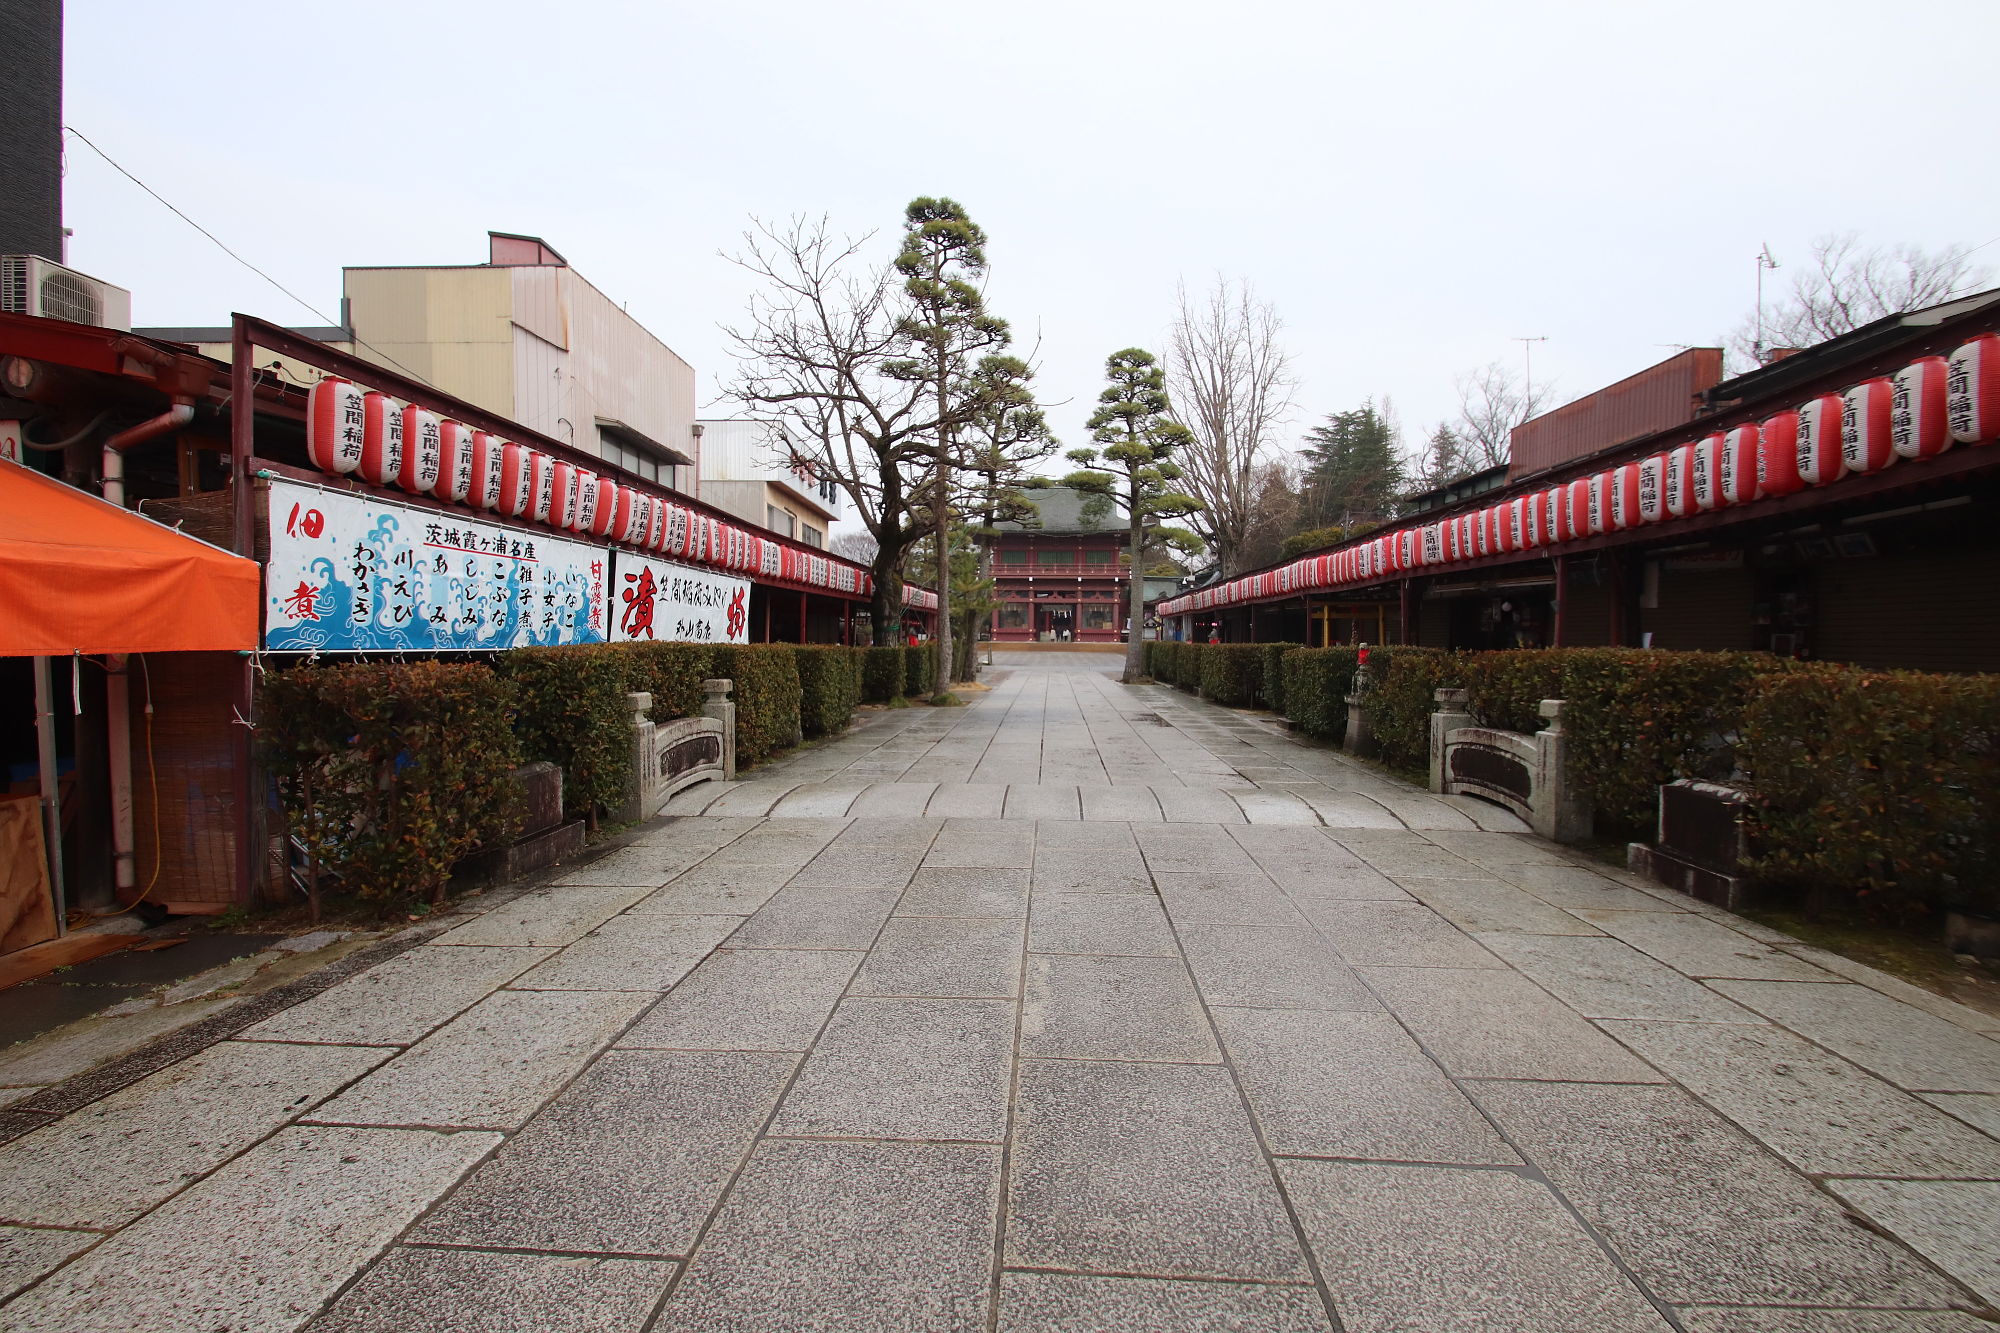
1081 1008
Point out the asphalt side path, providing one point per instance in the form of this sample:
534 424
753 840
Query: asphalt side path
1079 1008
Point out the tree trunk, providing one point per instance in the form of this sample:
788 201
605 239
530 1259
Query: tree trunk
886 606
1135 633
941 686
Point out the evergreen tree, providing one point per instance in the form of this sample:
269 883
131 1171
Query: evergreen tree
1133 469
1353 467
1443 460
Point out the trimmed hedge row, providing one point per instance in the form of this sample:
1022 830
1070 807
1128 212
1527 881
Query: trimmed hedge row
1239 675
1317 682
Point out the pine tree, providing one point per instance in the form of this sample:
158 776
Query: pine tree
1353 469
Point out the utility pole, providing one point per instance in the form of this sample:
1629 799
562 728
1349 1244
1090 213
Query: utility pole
1764 261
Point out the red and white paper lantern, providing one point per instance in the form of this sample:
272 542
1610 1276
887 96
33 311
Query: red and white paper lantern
1817 442
517 479
1576 501
604 509
1867 441
1555 505
1918 424
1624 497
335 425
489 461
423 451
1653 488
562 505
381 439
1740 473
1778 455
456 462
543 505
1679 499
1704 490
1972 391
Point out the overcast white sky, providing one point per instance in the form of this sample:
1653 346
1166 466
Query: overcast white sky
1413 185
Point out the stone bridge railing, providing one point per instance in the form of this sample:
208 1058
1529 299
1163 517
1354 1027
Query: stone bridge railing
1523 773
667 756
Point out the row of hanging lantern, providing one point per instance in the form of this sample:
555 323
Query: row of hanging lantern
1915 414
351 431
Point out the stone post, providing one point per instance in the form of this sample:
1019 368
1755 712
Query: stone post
720 707
1562 814
1451 714
1360 737
642 787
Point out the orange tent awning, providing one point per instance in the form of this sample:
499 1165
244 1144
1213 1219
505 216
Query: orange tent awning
80 575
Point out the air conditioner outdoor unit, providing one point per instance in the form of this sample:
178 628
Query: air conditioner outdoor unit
31 285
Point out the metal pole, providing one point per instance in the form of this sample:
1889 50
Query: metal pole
45 744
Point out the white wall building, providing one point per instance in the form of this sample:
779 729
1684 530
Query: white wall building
746 468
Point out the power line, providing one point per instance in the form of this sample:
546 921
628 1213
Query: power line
303 303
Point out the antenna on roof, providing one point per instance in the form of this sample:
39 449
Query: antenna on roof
1528 372
1764 261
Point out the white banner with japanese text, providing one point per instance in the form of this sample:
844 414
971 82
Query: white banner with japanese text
355 573
674 603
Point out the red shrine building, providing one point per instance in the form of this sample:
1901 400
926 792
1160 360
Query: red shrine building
1064 579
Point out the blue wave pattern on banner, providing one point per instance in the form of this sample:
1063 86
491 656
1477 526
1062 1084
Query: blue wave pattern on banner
350 573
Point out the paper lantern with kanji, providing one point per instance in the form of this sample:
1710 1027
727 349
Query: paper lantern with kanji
1433 544
1599 506
562 495
1555 523
1577 502
1817 443
1972 391
455 461
604 509
1409 551
1653 488
1918 425
423 451
335 425
517 479
656 526
1704 488
544 504
1679 482
624 508
1624 497
381 439
489 458
1867 435
1740 472
586 500
1778 455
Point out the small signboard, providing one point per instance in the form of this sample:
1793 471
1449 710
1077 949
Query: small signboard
673 603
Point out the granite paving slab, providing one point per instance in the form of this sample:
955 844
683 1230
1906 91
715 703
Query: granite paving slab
1601 977
705 890
1953 1223
1100 923
29 1253
630 1159
1395 934
1481 1023
1399 857
1043 800
1274 806
1972 1020
972 843
897 1068
749 1000
1425 812
1112 869
989 892
806 917
1490 906
396 1002
903 799
1974 1109
944 956
1697 1210
1196 805
1083 1007
558 915
1815 1109
1282 967
1178 848
1701 947
1120 804
1767 1319
1142 1169
1909 1047
967 800
632 953
491 1067
259 1245
818 800
1574 886
1352 1085
471 1291
105 1164
1499 849
1214 898
1069 1303
750 800
1430 1249
1344 810
895 1237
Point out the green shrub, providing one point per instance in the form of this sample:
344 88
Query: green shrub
919 668
829 687
671 672
570 710
1187 665
1877 787
1271 680
1317 682
390 773
1401 698
882 672
1231 673
766 694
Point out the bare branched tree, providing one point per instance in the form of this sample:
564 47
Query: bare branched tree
860 547
1491 402
1843 284
1231 385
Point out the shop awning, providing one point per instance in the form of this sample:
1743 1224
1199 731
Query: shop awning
80 575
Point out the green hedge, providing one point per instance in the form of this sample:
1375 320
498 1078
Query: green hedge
829 687
882 674
919 668
1184 666
1878 785
671 672
391 772
766 694
570 710
1317 682
1271 681
1400 699
1232 674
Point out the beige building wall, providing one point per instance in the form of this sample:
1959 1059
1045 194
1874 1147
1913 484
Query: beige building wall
753 501
452 327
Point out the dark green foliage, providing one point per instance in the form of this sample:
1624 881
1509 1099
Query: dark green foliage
882 671
1876 789
1318 539
1317 682
391 772
1401 699
1353 467
919 668
1271 682
829 687
1232 673
671 672
766 694
570 710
